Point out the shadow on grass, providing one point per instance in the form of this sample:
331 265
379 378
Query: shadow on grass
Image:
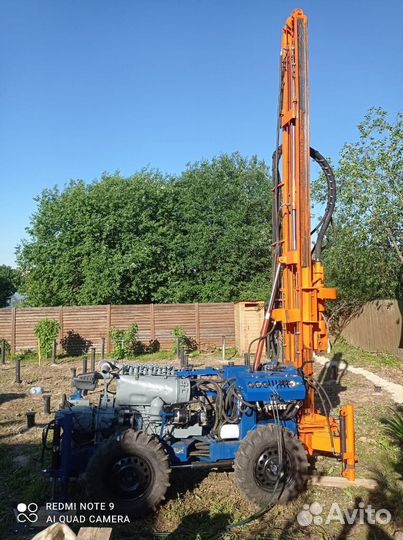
185 480
200 525
21 480
331 377
388 472
4 398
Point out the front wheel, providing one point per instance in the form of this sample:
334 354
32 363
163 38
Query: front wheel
131 470
266 475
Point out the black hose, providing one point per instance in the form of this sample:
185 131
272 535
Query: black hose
331 200
319 389
45 432
331 196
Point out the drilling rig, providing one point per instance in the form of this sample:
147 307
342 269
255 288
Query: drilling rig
295 326
260 419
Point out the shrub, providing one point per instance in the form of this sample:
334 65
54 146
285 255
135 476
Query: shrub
46 331
7 345
185 342
125 341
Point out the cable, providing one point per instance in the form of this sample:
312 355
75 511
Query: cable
319 388
270 504
45 433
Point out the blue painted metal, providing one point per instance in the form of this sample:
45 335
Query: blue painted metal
223 450
181 450
268 386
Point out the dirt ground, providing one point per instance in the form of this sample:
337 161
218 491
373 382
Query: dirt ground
200 506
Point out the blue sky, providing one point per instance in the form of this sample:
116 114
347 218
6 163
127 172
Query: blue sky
100 85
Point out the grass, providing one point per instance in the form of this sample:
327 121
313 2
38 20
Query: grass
155 357
360 358
24 484
31 357
198 506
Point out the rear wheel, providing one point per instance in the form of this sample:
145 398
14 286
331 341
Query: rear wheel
262 473
131 470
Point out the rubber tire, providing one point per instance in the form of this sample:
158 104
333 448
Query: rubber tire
128 443
248 454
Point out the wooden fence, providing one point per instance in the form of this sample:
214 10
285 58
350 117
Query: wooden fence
377 327
85 326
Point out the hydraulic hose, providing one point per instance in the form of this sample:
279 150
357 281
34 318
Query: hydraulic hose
322 226
331 196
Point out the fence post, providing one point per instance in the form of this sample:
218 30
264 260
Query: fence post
3 351
178 348
103 349
18 371
46 404
54 352
85 364
30 419
184 360
93 353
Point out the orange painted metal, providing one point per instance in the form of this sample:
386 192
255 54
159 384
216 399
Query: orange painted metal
299 304
349 455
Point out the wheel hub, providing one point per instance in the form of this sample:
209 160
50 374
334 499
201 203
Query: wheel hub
267 469
130 476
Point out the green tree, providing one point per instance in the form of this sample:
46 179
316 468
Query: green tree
9 283
204 236
106 242
365 254
222 250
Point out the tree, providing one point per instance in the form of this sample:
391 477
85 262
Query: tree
203 236
106 242
365 255
222 249
9 283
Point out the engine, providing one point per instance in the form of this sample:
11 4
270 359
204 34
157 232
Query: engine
177 404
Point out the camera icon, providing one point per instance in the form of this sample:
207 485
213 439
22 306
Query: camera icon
27 513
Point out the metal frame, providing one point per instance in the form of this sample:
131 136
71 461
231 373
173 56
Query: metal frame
296 309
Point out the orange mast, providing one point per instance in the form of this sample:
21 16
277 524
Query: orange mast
295 314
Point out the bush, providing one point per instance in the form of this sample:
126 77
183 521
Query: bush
125 341
8 346
185 342
46 331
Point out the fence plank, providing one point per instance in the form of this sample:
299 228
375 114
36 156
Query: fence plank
13 329
197 324
85 326
5 324
377 327
61 333
152 322
108 327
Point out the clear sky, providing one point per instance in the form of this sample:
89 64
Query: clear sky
88 86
